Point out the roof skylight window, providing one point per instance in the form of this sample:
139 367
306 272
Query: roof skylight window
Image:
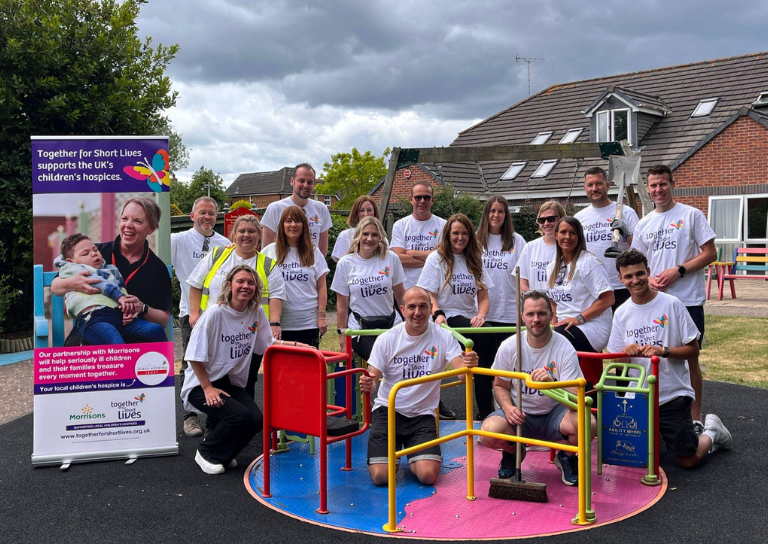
705 107
572 135
762 101
541 138
544 168
513 171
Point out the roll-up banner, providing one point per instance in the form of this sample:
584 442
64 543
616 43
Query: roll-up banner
104 360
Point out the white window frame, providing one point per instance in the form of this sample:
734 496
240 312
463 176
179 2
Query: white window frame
740 198
546 135
542 171
520 164
746 220
701 103
611 124
576 131
327 200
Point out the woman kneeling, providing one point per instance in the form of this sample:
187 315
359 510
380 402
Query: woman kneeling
219 354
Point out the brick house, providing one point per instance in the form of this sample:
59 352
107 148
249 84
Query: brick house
708 121
263 188
404 180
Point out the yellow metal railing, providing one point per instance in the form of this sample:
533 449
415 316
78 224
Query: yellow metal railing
585 515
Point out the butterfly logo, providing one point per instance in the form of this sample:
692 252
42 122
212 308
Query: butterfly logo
314 219
662 321
610 220
551 367
434 233
677 225
431 352
156 173
141 398
253 328
385 271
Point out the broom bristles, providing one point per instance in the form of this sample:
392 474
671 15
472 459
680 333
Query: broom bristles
510 490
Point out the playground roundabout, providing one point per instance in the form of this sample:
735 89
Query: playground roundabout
443 512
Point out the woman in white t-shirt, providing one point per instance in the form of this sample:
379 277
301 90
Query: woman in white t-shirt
219 355
304 271
364 206
458 286
501 247
368 282
536 255
580 290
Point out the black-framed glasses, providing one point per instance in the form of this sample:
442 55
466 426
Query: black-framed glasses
548 219
425 198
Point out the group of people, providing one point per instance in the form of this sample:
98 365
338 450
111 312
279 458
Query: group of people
237 299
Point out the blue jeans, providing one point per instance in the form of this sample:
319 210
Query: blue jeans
105 327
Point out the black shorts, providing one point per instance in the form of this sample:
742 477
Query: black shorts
697 314
676 427
409 431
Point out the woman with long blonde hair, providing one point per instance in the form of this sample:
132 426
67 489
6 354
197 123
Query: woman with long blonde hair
364 206
536 255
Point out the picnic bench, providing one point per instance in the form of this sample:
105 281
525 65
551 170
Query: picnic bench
747 259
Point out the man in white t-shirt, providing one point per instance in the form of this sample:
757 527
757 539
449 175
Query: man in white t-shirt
187 248
408 350
655 323
416 236
303 183
679 245
547 357
599 221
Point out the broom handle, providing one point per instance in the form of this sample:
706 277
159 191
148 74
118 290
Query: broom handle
519 445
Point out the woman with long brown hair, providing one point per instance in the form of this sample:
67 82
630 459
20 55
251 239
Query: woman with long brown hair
304 271
458 287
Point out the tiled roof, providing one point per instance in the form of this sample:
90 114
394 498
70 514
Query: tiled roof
736 81
262 183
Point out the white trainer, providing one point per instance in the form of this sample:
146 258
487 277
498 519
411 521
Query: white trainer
723 439
207 467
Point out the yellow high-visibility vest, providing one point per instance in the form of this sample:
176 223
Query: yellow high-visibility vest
264 266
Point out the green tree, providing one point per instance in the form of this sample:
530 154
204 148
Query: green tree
350 175
199 186
180 195
66 67
447 203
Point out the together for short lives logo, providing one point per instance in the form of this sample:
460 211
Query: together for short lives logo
253 328
551 368
434 233
141 398
385 272
155 173
314 218
431 352
662 321
678 225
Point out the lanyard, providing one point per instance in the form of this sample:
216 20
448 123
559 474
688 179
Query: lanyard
134 272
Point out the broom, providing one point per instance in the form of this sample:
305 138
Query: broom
516 488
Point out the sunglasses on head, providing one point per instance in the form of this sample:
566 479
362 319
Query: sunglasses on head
541 292
425 198
548 219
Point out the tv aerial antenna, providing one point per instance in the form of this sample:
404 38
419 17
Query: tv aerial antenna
528 61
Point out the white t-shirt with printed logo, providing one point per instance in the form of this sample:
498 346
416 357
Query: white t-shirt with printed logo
664 321
224 340
317 214
459 297
599 236
400 356
198 275
533 263
369 285
579 293
343 242
300 305
186 252
670 239
558 357
410 233
499 267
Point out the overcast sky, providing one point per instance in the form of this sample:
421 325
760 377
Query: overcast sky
267 84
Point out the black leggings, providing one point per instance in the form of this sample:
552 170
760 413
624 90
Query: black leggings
577 338
363 346
486 351
309 336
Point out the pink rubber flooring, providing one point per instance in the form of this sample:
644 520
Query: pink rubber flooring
617 493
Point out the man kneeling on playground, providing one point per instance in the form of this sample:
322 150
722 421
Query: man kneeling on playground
547 357
411 349
655 323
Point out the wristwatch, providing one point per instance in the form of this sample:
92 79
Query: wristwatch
437 314
340 331
681 270
274 323
144 310
665 352
580 319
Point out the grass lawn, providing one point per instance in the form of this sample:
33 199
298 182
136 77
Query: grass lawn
736 350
